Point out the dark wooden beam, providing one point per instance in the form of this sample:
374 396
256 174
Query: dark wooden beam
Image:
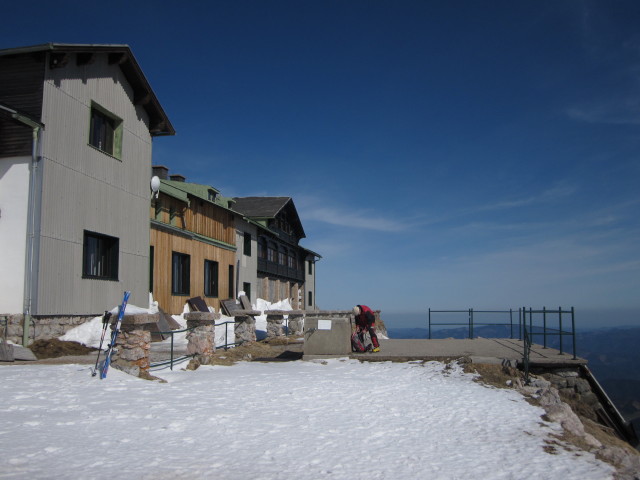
141 97
58 59
157 125
117 57
85 58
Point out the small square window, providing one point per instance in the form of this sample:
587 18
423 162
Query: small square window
100 256
105 131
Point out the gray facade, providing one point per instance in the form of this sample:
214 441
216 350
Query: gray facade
282 270
84 192
247 259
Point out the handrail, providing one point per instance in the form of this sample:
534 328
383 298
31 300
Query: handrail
526 326
471 322
548 331
172 360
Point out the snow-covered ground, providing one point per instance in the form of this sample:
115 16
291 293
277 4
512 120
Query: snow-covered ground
298 420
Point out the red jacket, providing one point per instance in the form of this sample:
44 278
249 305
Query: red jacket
366 316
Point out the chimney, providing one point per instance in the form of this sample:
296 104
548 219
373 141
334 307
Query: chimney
178 178
160 171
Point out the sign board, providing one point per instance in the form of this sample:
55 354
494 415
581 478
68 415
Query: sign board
324 324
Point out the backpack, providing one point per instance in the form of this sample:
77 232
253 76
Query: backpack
357 344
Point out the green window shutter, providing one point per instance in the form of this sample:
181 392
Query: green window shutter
117 141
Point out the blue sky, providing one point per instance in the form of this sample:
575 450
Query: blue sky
440 154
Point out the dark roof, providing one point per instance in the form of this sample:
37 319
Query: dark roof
260 207
121 55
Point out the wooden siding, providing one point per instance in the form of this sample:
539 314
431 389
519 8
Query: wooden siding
198 217
86 189
21 79
164 243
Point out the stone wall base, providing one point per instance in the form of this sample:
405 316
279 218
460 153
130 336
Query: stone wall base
41 328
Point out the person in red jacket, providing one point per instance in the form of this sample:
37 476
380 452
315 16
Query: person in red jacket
365 321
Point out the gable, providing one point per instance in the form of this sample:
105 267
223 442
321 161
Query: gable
56 56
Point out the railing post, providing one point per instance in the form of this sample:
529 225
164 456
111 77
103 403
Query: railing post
471 323
511 322
544 329
519 323
171 364
573 330
429 323
560 321
530 325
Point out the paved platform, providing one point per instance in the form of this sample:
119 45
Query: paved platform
478 350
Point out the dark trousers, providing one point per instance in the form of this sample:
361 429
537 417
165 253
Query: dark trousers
369 327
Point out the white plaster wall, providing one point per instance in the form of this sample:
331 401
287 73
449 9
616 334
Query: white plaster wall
14 192
247 267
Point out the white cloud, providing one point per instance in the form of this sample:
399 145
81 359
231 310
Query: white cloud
357 219
549 195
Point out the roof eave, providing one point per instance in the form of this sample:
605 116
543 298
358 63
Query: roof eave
159 123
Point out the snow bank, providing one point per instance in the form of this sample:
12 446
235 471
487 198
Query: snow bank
89 333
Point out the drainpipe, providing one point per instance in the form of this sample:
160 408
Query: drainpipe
36 128
28 278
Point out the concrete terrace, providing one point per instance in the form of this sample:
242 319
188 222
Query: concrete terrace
478 350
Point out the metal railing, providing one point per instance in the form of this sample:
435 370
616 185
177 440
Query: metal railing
174 360
545 330
471 320
531 324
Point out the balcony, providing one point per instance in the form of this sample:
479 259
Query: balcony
273 268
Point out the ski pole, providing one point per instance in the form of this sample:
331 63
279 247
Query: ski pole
105 323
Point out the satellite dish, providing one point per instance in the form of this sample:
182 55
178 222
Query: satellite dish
155 185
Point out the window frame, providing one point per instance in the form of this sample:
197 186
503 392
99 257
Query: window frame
100 256
211 287
181 276
105 131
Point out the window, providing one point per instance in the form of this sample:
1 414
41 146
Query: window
311 299
262 247
292 259
105 131
282 256
310 267
271 252
180 272
231 281
210 278
246 286
100 256
247 244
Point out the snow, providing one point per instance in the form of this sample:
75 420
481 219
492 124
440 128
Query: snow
90 332
339 419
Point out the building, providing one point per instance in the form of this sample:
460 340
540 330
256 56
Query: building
271 263
193 246
76 130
